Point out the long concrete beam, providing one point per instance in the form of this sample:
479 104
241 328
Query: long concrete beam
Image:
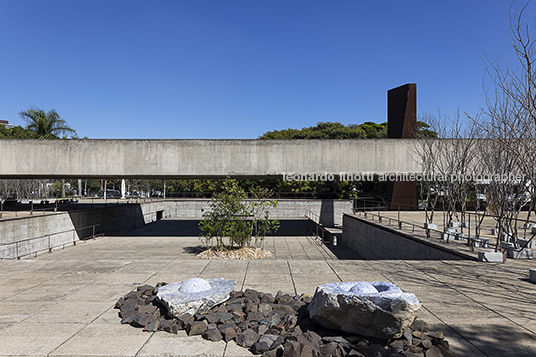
204 158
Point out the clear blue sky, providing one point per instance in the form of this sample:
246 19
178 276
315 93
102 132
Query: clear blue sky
187 69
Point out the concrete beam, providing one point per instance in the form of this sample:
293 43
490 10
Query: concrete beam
203 158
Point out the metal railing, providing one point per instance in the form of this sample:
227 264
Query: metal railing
49 244
319 232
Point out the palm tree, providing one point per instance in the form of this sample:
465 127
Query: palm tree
47 125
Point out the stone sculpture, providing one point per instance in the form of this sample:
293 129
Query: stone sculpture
193 295
376 309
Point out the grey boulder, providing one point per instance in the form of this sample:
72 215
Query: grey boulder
376 309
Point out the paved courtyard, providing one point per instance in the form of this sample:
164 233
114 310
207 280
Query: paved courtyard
61 304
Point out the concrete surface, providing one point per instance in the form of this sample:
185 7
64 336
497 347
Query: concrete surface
61 303
204 158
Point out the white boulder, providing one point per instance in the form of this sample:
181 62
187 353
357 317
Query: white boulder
376 309
194 295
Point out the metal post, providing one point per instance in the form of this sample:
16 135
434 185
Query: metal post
31 208
379 213
1 208
469 230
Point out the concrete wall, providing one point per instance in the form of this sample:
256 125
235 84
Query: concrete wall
372 241
63 228
329 211
203 158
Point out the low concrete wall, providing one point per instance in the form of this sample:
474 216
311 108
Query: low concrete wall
376 242
49 231
329 211
41 233
63 228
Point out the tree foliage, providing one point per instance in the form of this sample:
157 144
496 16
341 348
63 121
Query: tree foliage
331 130
17 132
336 130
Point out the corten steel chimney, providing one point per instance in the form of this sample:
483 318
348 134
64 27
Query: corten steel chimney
402 124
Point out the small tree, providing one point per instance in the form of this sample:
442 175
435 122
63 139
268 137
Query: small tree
233 217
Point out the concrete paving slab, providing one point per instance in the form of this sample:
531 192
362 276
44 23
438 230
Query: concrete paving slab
141 267
75 278
461 313
99 293
17 311
122 279
180 266
104 340
8 291
45 292
71 312
35 339
268 267
500 340
233 350
26 278
352 266
226 266
110 316
458 345
310 268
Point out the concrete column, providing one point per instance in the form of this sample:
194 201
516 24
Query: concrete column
123 188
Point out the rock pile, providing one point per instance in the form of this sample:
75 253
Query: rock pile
274 326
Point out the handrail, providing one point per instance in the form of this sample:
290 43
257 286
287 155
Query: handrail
49 247
312 216
319 228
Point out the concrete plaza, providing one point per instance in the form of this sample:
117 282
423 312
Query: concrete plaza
61 304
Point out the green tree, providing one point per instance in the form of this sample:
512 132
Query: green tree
325 130
424 131
45 125
17 132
